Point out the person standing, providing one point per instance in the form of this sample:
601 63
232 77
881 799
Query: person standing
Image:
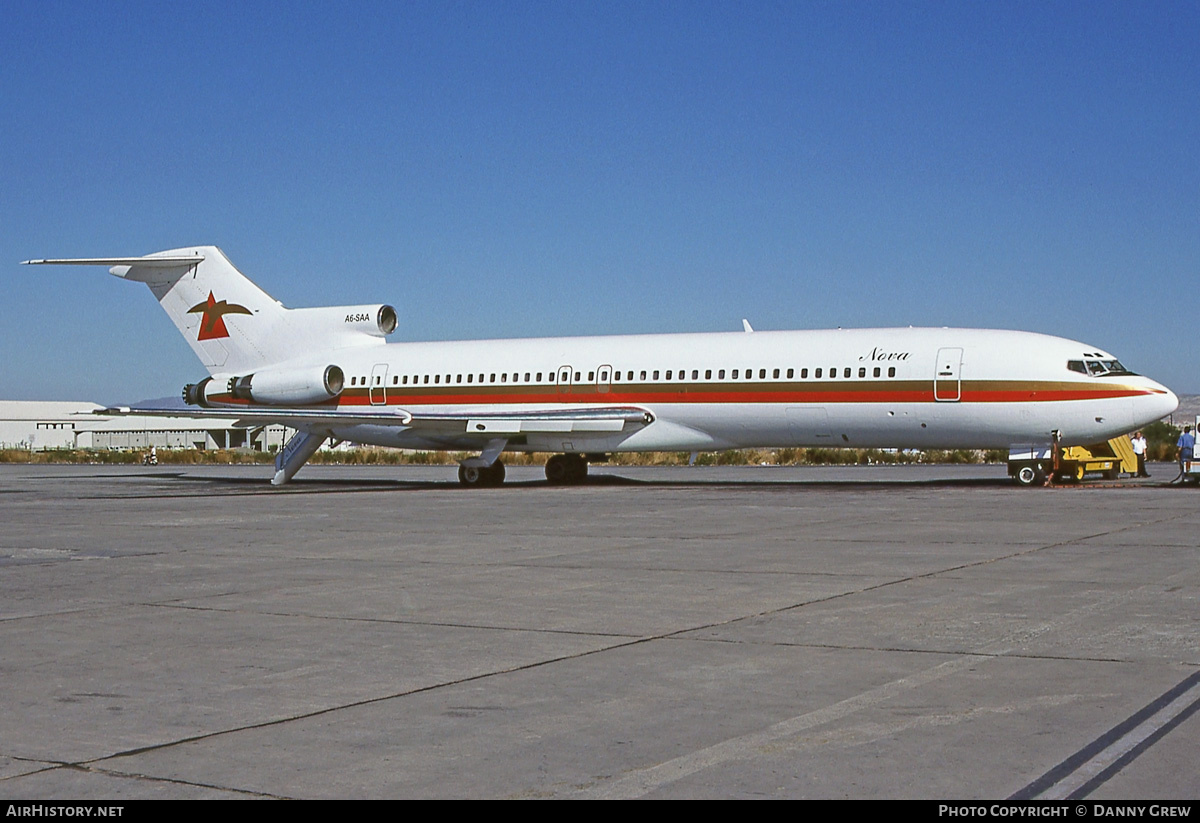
1139 449
1187 447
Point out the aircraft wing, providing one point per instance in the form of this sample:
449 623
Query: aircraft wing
264 415
483 424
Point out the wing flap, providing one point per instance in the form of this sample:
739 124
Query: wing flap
535 421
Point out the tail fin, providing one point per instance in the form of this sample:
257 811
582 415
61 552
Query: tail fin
223 316
231 324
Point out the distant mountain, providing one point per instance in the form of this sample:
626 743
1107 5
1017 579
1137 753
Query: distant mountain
175 402
1189 408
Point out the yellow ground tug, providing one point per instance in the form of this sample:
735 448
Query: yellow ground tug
1030 467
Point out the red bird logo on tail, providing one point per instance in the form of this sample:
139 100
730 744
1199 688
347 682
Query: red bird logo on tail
212 322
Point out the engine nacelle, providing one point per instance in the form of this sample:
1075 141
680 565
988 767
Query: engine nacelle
274 387
287 387
377 320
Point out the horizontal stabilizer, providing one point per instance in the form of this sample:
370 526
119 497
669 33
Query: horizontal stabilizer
141 262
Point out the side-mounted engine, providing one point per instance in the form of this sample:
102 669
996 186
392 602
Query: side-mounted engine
293 386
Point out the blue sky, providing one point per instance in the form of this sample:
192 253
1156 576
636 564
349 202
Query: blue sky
527 169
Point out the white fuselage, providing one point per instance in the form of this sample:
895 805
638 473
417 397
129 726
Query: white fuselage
899 388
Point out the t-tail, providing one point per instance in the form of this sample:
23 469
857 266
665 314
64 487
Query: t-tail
232 325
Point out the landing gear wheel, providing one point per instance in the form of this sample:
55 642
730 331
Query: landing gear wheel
1026 476
479 476
562 469
577 469
494 474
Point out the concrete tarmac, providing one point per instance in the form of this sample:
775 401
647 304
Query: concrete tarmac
888 632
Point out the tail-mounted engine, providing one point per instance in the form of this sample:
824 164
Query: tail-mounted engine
339 325
273 387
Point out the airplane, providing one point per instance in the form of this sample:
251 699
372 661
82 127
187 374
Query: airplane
329 373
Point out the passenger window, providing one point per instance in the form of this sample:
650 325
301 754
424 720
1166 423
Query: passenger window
804 374
846 372
817 374
437 378
735 374
406 379
791 373
876 371
891 371
833 373
353 381
721 374
668 374
762 374
469 376
862 371
775 374
577 376
504 377
493 378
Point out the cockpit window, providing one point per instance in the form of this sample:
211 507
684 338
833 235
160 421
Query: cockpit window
1098 368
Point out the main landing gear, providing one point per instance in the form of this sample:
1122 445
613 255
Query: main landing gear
561 470
479 476
564 469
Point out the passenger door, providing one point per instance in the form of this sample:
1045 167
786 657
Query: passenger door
378 390
947 380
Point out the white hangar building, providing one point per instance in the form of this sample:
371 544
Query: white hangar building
41 425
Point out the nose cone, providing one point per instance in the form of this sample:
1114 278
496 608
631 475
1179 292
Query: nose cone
1169 402
1158 404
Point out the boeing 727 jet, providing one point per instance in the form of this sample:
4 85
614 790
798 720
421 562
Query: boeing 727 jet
329 373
